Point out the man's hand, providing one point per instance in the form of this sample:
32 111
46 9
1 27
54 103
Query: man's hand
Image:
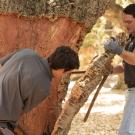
112 46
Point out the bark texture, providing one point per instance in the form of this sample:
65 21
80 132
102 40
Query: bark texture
80 94
82 89
85 11
44 25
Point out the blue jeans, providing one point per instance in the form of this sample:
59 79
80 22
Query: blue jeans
128 122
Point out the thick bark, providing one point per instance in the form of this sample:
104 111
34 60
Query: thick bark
80 94
85 11
82 89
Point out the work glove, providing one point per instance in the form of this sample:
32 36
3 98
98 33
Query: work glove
112 46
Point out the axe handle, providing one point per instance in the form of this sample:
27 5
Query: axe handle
94 98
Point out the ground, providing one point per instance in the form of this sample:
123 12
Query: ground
105 116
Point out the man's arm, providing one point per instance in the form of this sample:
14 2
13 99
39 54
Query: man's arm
118 69
129 57
112 46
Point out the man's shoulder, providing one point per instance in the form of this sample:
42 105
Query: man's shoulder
26 52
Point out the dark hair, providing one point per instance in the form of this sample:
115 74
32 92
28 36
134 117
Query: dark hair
130 9
64 58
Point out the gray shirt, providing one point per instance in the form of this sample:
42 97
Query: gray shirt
25 80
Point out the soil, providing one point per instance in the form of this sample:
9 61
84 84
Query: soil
106 114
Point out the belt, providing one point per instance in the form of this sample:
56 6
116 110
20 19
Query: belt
130 84
6 131
9 125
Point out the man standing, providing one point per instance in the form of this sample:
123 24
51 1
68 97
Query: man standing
25 80
128 55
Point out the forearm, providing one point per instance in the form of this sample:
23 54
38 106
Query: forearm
129 57
118 69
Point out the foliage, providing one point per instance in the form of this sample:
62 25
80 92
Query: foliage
108 25
94 40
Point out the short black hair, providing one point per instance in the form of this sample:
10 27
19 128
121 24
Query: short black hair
130 9
64 58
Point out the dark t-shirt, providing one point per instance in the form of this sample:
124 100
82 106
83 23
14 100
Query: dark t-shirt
25 80
129 70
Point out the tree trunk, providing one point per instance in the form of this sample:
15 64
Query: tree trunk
44 25
82 89
80 93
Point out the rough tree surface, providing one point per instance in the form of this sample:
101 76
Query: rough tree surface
82 89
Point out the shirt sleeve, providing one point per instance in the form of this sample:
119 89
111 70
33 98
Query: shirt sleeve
4 59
